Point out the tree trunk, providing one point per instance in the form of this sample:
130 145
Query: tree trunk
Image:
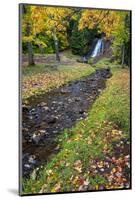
30 54
56 48
123 54
30 49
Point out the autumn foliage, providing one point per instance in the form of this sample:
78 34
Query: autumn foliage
53 29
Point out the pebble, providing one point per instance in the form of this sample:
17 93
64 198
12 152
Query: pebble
46 108
42 104
32 160
27 166
31 117
77 98
102 170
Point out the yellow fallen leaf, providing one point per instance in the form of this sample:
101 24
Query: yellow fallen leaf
78 166
75 180
49 172
113 170
96 187
56 188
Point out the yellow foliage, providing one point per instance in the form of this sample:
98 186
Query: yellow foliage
48 20
106 21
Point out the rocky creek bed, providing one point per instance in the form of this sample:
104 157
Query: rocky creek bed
48 115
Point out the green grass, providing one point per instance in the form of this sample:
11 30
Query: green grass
104 63
41 78
87 141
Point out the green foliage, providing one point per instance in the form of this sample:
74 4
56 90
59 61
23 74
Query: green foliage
63 42
122 38
90 61
81 40
44 44
75 29
40 25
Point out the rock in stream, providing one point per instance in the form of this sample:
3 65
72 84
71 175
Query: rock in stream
48 115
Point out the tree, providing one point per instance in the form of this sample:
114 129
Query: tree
55 21
121 43
48 20
32 24
81 40
103 20
115 24
26 32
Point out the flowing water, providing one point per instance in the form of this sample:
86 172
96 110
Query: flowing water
48 115
95 50
98 48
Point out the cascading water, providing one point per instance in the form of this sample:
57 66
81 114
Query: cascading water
98 48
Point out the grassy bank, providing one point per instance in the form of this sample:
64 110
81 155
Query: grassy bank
41 78
94 155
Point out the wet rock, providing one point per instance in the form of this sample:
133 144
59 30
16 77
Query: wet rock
84 90
51 120
32 160
36 138
27 166
77 99
94 92
54 102
42 104
57 148
83 81
81 111
33 111
31 117
25 129
25 109
46 108
60 103
64 91
69 101
91 79
99 90
55 131
79 118
76 81
42 132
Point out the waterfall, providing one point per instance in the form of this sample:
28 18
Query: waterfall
98 48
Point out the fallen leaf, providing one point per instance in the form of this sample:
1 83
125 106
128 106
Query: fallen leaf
56 188
78 166
96 187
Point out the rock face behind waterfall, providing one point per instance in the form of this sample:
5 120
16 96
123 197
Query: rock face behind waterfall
88 55
105 51
99 48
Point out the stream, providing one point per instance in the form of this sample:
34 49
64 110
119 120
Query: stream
48 115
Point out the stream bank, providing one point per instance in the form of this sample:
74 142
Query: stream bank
48 115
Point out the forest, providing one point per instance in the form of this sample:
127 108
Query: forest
75 88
